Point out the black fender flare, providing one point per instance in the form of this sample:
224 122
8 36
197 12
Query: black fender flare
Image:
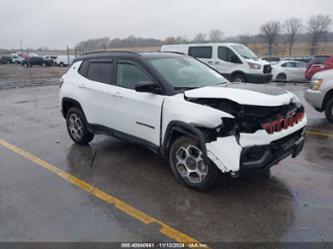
187 129
70 101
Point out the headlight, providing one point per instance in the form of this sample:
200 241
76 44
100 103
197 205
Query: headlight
315 84
254 65
296 101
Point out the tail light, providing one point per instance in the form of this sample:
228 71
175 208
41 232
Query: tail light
61 81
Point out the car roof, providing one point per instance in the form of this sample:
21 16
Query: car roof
140 54
205 44
283 61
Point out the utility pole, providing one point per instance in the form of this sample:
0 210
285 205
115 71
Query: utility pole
67 55
21 47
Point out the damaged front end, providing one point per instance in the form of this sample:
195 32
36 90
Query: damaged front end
257 138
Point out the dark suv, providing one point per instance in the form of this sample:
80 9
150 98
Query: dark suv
5 59
31 61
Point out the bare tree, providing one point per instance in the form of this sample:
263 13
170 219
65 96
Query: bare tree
270 32
201 37
293 29
244 39
318 26
215 35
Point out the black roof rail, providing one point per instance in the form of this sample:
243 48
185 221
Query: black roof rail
110 51
174 52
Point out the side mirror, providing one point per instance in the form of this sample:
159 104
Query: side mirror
146 86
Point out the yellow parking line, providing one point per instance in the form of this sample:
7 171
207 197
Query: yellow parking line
119 204
319 133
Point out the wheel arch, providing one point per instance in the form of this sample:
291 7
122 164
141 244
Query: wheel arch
67 103
327 97
177 129
238 72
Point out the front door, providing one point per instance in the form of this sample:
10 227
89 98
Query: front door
136 113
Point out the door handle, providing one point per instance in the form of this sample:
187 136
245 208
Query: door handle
82 86
210 62
117 94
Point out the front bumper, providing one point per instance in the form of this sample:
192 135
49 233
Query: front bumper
258 78
254 152
315 98
260 157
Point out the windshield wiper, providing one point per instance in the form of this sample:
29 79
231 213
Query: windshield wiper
222 83
184 87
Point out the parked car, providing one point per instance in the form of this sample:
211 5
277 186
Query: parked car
320 93
17 59
317 64
289 71
5 59
50 57
32 61
271 59
183 110
63 60
234 61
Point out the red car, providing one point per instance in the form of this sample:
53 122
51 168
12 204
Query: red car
318 63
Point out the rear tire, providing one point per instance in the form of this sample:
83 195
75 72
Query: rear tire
329 110
281 77
188 167
238 78
77 126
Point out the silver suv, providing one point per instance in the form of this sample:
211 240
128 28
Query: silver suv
320 93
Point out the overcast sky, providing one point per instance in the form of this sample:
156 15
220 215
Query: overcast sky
56 23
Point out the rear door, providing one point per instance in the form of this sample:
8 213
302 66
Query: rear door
301 67
136 113
291 70
95 89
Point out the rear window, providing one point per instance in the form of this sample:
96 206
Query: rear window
100 71
200 52
319 59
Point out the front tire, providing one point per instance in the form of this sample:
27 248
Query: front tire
188 166
238 78
77 126
329 110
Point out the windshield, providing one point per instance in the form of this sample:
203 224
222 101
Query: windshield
245 52
186 73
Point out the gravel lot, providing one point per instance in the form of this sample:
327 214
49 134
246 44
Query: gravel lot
13 75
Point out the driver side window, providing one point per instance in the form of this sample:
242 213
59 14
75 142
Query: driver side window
128 75
228 55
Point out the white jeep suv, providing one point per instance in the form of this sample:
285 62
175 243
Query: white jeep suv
183 110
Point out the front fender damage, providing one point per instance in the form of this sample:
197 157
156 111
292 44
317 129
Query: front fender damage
225 153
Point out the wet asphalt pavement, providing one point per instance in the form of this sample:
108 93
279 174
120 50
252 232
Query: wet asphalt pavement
294 204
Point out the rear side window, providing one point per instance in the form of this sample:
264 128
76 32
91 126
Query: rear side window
83 68
319 59
128 75
200 52
100 71
227 54
290 64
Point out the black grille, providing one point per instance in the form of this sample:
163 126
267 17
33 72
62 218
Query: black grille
267 69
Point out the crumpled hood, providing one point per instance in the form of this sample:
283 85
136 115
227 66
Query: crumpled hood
244 94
